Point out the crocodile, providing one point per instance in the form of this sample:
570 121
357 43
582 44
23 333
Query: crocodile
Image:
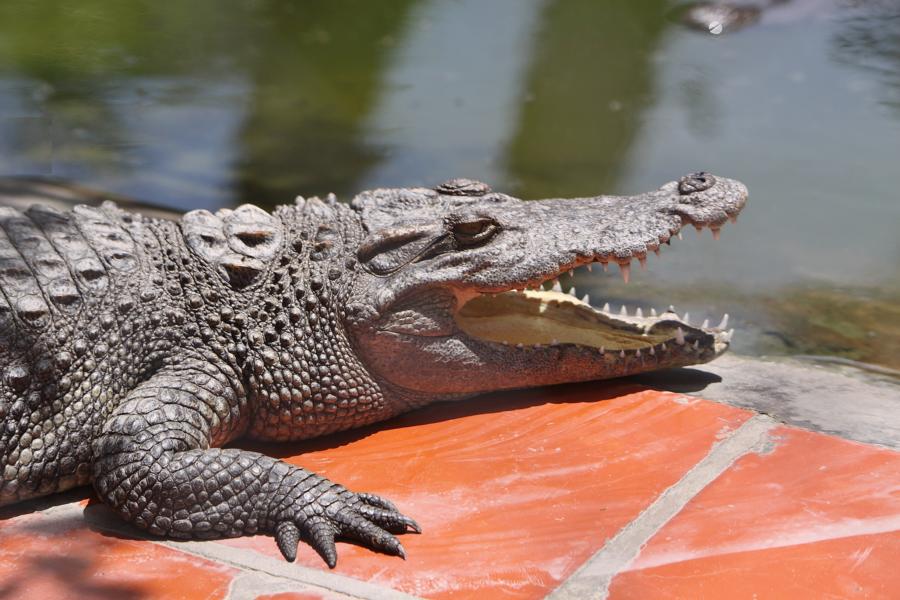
134 349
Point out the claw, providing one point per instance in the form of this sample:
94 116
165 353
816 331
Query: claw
321 538
361 529
391 520
287 536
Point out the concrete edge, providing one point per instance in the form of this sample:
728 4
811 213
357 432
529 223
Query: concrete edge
593 578
279 572
833 399
249 586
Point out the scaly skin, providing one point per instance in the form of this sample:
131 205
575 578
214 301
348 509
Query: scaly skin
132 349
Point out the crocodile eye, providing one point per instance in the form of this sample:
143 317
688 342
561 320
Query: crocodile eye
475 232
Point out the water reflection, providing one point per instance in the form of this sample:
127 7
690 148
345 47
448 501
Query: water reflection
453 92
133 97
868 38
316 71
589 80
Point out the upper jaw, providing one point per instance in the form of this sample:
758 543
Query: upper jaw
707 209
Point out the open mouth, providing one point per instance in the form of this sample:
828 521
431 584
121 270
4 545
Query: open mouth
530 317
552 318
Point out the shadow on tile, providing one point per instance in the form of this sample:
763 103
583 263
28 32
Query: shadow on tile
593 391
681 381
37 505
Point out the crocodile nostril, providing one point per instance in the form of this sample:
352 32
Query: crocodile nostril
695 182
463 187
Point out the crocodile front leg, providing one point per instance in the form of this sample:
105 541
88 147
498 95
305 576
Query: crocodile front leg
155 465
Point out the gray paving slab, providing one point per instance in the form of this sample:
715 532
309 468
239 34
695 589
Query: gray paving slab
838 399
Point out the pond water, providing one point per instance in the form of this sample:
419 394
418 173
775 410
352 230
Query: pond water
207 104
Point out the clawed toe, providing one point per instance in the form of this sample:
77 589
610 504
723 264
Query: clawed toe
392 520
364 518
287 536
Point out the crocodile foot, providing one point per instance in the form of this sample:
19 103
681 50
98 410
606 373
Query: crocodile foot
339 513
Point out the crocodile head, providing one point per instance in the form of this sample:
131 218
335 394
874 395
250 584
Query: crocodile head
450 300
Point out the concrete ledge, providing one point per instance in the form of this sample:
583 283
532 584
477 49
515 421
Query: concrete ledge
842 401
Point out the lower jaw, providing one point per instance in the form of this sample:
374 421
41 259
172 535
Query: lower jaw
540 319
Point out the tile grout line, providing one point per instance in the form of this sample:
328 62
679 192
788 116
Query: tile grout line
256 563
249 562
593 578
248 585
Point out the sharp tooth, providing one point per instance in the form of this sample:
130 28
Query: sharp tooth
639 312
679 336
687 318
679 236
652 312
656 251
626 271
590 267
602 349
572 292
637 352
571 272
606 307
622 354
705 324
586 299
623 311
732 218
730 334
724 323
505 343
554 342
717 233
605 267
696 344
652 351
520 345
556 286
699 228
643 261
663 347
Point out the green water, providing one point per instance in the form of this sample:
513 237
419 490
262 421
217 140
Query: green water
215 103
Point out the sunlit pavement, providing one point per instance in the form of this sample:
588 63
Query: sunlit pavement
591 490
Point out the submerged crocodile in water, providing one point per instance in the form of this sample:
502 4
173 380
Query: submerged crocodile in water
132 349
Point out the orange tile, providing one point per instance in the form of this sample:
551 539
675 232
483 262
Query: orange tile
817 517
514 491
45 558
